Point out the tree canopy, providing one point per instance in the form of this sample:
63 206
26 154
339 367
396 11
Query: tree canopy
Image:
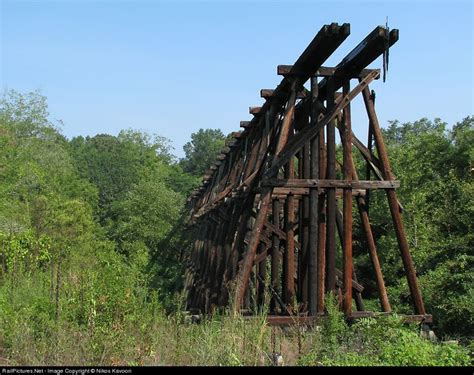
202 150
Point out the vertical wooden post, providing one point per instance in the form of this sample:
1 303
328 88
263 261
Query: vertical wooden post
299 205
366 228
321 287
275 269
364 219
368 166
393 204
331 196
289 259
347 207
313 207
340 231
304 228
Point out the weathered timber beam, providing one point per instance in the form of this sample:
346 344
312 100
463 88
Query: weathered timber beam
326 41
308 183
393 204
262 255
366 52
268 93
309 132
323 71
254 110
303 191
348 272
276 257
362 55
354 63
372 248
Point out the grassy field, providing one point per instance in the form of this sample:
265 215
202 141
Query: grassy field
147 336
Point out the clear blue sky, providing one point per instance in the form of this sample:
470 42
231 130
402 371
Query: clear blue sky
172 67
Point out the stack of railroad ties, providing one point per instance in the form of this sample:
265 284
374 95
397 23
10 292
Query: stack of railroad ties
286 153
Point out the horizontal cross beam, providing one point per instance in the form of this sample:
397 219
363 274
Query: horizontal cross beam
302 191
268 93
347 184
323 71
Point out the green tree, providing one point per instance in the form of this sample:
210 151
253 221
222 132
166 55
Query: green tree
434 166
115 164
202 150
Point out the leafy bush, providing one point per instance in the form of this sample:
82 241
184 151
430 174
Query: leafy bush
383 341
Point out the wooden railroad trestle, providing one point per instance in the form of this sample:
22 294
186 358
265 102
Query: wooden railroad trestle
269 204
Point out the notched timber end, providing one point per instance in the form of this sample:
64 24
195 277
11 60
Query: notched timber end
323 71
268 94
254 110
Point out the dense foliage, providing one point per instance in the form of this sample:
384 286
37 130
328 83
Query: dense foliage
92 234
202 150
435 169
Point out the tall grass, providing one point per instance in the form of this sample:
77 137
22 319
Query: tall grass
140 333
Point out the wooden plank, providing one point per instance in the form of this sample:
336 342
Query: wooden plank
330 183
323 71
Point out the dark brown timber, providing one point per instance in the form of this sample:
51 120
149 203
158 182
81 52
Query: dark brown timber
270 199
347 207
